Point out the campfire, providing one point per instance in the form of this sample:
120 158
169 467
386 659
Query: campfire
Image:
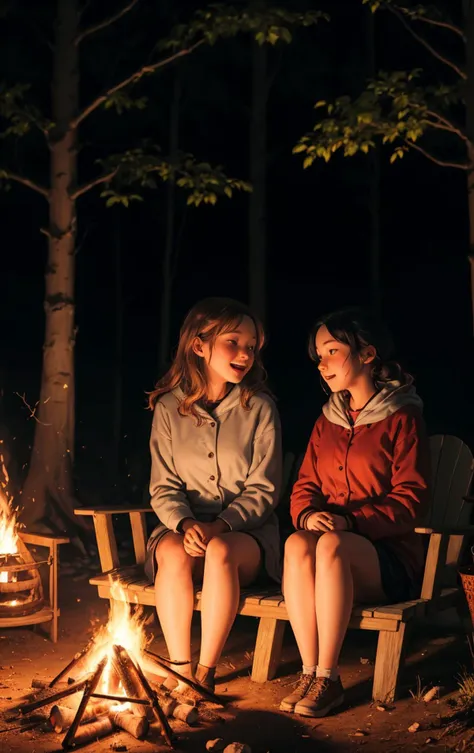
21 592
121 683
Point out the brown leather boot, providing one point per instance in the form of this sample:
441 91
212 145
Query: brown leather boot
205 677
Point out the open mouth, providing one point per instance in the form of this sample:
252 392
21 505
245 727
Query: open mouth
328 378
239 368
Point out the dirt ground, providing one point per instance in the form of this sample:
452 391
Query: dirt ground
436 656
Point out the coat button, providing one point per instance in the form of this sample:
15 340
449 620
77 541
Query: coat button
211 455
212 478
369 425
341 494
212 424
341 468
216 497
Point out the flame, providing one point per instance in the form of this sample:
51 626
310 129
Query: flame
8 522
122 629
8 529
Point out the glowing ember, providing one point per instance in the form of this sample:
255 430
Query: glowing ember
122 629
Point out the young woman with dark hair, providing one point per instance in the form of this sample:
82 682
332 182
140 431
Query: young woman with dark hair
362 487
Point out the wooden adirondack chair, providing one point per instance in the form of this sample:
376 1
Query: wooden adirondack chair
446 525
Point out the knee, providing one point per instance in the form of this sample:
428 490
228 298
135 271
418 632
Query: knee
171 557
330 546
298 548
219 552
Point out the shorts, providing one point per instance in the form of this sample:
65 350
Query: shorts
151 566
397 584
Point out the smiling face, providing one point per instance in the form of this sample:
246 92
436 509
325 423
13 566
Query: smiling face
341 369
230 357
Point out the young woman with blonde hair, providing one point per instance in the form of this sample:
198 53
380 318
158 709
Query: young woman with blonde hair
215 480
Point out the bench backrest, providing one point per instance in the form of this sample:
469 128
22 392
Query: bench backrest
452 468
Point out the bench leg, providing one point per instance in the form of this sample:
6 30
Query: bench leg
388 663
267 649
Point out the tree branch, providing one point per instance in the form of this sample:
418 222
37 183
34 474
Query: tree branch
446 125
426 44
106 22
441 24
132 80
442 163
7 175
87 186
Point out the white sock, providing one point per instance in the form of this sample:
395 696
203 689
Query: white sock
330 674
308 670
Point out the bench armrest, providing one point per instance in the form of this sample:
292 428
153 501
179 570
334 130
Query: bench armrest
111 510
447 530
105 535
43 539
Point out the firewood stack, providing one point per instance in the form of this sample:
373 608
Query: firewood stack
133 700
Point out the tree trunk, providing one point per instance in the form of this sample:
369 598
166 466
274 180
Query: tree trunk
258 164
48 491
374 185
170 244
118 375
469 27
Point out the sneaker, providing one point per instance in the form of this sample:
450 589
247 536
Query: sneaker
323 695
303 684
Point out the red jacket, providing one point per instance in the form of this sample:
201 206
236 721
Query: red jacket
379 473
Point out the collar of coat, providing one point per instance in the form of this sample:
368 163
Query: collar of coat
230 401
391 397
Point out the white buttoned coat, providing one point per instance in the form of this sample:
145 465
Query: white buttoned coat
229 468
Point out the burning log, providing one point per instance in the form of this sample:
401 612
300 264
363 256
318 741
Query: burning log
38 684
181 711
123 666
153 698
134 725
55 697
206 695
90 686
121 698
74 661
61 717
92 731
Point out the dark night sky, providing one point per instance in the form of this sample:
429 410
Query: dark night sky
318 231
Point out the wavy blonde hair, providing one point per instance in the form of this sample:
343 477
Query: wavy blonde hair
207 320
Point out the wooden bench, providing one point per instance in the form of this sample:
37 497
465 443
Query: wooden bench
446 526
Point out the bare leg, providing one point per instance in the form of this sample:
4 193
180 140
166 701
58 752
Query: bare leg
174 594
232 560
347 567
298 588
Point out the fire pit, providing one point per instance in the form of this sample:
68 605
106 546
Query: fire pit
21 592
121 685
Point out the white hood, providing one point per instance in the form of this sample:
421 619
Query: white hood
391 397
